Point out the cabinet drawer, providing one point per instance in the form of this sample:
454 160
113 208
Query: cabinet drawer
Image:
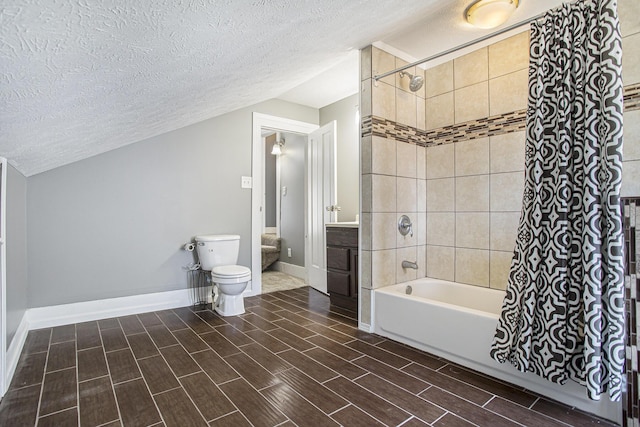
338 283
338 236
338 258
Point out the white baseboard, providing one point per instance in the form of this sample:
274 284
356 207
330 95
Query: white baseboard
15 349
291 269
65 314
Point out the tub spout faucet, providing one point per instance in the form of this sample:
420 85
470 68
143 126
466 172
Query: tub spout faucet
409 264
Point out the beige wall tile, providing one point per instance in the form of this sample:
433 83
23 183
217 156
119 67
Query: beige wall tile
471 68
472 230
500 265
472 267
441 195
630 179
632 135
472 157
366 183
407 201
421 195
383 156
421 162
509 55
471 102
439 111
365 63
422 92
408 240
381 62
439 79
383 101
365 154
383 189
441 262
406 274
383 268
631 59
506 191
440 161
366 230
421 228
508 93
421 115
365 307
406 159
383 229
441 229
507 152
366 93
629 13
365 269
504 230
421 256
472 193
406 108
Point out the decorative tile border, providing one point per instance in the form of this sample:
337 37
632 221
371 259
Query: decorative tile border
631 397
632 97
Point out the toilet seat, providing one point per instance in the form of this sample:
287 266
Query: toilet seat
228 274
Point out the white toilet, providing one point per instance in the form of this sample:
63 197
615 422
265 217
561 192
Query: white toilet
219 254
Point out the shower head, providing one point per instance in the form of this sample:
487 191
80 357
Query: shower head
415 82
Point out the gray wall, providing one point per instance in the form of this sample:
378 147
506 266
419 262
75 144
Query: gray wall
269 183
292 176
16 247
348 154
113 225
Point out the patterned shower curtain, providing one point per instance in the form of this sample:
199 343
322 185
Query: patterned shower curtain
563 314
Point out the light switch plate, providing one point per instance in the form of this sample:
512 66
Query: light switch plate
246 182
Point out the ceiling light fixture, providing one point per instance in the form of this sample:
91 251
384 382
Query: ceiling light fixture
490 13
277 146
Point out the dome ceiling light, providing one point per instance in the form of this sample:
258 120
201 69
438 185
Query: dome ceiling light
490 13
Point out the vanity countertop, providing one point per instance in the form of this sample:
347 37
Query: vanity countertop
346 224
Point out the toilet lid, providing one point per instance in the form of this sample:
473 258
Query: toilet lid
230 270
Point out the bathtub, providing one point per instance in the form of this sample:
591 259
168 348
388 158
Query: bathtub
457 322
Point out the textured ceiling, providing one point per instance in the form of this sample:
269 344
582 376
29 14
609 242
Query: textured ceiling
82 77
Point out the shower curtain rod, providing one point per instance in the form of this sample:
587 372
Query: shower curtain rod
465 45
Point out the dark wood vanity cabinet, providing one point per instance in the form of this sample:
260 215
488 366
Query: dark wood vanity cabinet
342 266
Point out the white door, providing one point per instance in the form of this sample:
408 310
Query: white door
321 175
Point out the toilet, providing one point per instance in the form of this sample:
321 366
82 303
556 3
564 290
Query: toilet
218 253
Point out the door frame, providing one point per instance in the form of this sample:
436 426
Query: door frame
275 123
3 276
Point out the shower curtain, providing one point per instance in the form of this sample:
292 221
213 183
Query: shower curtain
563 314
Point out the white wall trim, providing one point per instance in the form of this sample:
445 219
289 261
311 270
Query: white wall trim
65 314
15 348
291 269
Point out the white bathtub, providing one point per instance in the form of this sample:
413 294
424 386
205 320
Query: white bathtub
457 322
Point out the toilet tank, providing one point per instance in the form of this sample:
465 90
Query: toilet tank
217 249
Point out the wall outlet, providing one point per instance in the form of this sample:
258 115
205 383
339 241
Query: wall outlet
289 252
284 191
246 182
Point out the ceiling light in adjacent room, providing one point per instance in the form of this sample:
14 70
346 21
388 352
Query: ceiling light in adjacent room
490 13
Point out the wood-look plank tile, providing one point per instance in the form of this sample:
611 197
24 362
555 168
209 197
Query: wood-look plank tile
108 323
291 339
258 410
415 356
330 360
394 376
113 339
264 313
63 333
250 371
171 320
177 409
122 366
520 414
37 341
219 344
316 318
415 422
240 324
379 354
356 333
212 318
298 409
179 360
352 416
566 414
19 407
264 339
307 365
313 391
149 319
136 405
61 356
59 391
142 346
88 335
295 318
331 346
157 374
285 305
217 369
265 358
368 402
131 324
464 409
207 396
459 388
30 370
190 340
450 420
97 402
161 336
235 419
258 322
117 423
424 410
91 364
296 330
235 336
330 333
68 418
192 320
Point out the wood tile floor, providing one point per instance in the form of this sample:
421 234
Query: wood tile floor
290 360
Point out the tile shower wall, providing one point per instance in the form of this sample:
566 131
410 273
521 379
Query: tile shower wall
451 156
